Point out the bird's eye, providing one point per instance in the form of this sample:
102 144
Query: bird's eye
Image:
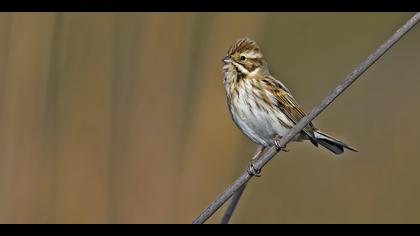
243 58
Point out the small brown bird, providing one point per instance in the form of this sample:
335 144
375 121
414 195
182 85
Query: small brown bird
261 106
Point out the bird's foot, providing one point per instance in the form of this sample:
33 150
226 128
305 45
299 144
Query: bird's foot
252 170
278 146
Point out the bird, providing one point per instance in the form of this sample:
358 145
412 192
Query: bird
262 107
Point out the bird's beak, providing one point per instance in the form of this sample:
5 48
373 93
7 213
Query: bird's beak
226 59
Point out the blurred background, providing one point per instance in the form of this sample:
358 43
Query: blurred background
122 118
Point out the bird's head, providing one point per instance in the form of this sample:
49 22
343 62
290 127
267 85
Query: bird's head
244 56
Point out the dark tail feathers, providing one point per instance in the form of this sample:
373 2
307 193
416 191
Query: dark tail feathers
332 144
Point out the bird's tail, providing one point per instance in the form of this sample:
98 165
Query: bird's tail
334 145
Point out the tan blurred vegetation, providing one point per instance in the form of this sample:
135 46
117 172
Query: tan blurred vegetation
122 118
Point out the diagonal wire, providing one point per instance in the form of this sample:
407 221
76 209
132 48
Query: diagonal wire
271 152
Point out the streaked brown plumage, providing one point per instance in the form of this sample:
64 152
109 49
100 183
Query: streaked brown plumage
261 106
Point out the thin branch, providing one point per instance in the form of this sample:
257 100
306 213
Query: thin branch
232 205
271 152
237 196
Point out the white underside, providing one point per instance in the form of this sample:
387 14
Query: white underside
260 126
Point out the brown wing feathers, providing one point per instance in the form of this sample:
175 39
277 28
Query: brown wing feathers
288 105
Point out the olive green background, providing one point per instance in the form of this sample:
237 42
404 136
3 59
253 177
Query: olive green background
122 118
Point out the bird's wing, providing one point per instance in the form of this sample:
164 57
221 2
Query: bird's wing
287 104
